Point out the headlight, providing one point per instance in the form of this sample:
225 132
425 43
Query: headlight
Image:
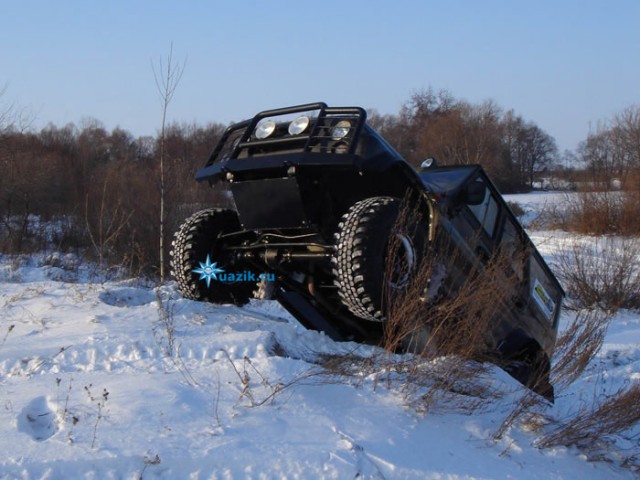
299 125
341 129
264 129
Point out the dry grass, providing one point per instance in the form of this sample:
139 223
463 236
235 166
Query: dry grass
446 307
578 345
597 427
444 335
447 336
598 213
443 318
425 385
604 275
592 428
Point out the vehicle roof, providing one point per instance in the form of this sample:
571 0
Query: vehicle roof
448 180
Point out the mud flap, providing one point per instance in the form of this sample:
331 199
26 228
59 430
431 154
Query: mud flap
534 378
523 359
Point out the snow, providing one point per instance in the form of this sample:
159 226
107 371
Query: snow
112 378
535 203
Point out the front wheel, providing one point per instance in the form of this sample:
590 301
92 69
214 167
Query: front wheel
362 269
198 257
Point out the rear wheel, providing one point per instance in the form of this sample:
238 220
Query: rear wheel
198 245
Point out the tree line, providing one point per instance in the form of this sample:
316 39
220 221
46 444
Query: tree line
456 132
100 190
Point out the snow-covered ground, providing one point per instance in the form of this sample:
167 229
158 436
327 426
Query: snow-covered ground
97 380
535 204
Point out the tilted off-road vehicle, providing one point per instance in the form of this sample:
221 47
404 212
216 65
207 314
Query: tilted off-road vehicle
318 194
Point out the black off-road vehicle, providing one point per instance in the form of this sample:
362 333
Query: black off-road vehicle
317 193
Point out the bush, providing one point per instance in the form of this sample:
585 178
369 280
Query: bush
577 345
446 331
600 213
591 429
517 210
602 273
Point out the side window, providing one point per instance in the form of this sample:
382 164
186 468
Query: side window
486 212
511 245
509 241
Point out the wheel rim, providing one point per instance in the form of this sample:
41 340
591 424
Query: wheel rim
405 262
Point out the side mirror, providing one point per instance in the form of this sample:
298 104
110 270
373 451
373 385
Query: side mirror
474 193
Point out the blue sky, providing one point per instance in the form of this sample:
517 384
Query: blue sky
563 64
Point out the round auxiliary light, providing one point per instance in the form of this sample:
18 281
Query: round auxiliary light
340 147
341 129
299 125
265 128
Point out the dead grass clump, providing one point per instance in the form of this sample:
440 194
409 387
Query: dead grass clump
604 274
425 385
596 428
575 349
445 330
443 335
517 210
578 345
599 213
446 307
448 383
591 428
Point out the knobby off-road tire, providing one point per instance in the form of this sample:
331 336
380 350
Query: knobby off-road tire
197 238
360 258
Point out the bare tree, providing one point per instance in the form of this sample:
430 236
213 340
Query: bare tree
167 77
12 117
613 150
541 151
5 111
527 150
626 131
15 196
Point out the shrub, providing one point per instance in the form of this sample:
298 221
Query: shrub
517 210
601 272
591 429
600 213
577 345
446 332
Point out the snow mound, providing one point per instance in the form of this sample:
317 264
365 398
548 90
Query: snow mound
38 419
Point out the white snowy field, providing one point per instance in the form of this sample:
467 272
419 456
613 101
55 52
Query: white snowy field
533 204
97 381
